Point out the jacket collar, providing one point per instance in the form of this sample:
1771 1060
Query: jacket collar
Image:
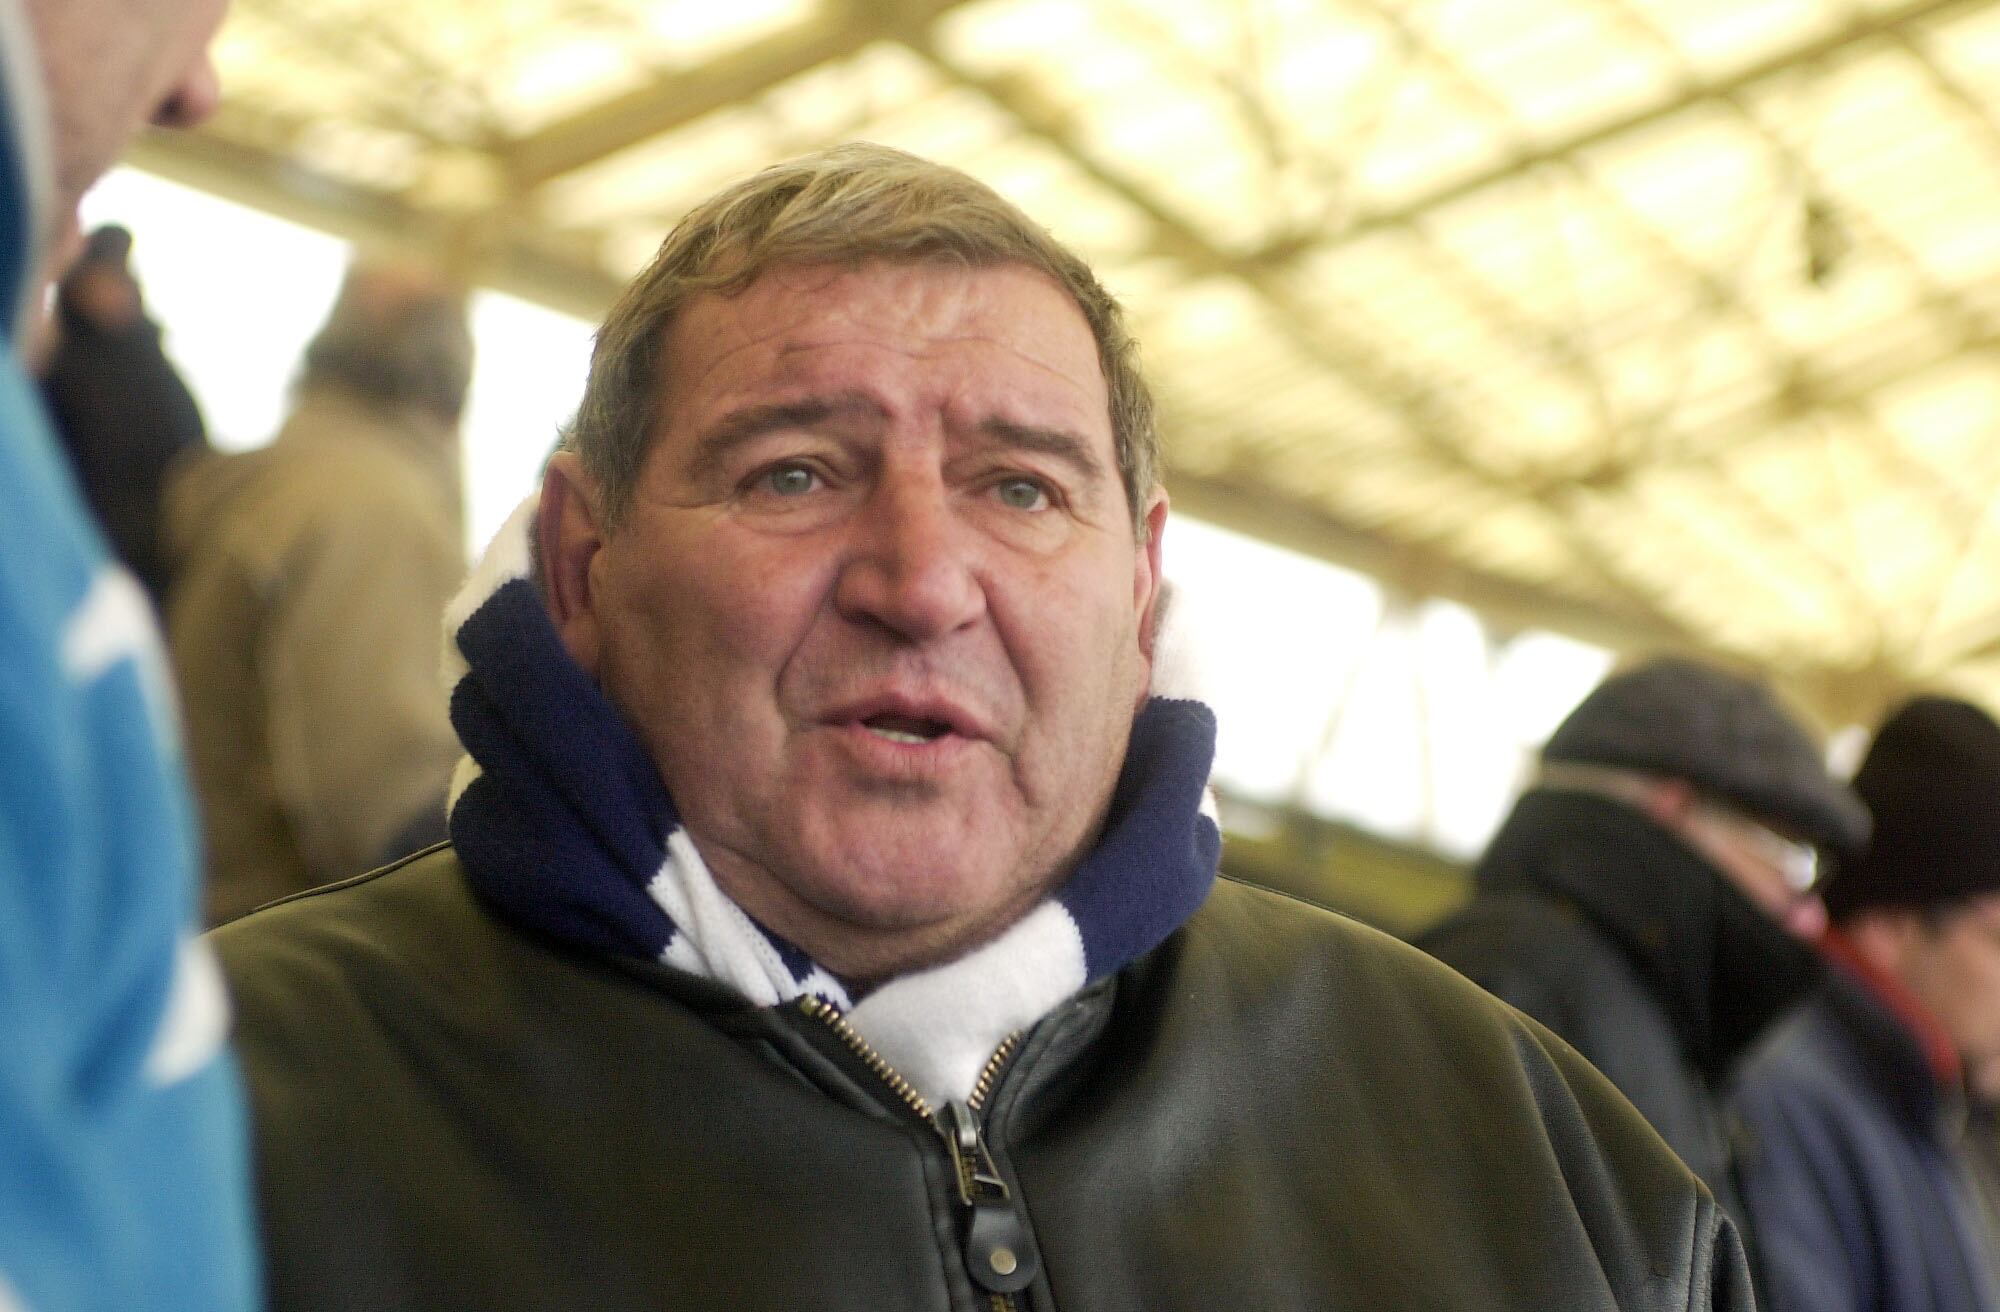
1719 967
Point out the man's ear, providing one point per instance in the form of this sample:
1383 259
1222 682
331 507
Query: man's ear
568 535
1146 571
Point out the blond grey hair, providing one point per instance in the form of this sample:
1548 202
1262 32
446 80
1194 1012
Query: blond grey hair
845 206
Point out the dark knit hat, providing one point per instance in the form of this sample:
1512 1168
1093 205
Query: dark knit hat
1932 779
1724 734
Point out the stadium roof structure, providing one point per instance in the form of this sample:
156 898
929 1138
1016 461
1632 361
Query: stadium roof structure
1665 323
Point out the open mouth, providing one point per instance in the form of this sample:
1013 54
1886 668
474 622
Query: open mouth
910 730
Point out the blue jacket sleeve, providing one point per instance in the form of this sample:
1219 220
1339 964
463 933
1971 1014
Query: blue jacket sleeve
123 1174
1812 1240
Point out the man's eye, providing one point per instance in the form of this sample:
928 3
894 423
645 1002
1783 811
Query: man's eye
791 480
1022 494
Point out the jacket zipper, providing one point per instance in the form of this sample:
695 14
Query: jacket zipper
999 1255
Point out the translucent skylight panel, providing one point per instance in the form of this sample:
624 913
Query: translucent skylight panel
1946 417
1557 256
1870 105
1534 418
1385 292
1434 132
1332 417
878 79
995 36
1935 200
664 174
1900 346
1557 66
552 78
1809 318
954 126
1191 149
1332 56
1965 43
1519 540
1386 491
1703 181
691 31
1717 37
1645 381
1507 236
1229 382
356 152
1743 562
1961 610
1923 172
1210 313
1787 473
269 67
1731 383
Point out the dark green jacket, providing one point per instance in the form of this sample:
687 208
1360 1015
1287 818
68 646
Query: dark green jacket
1276 1109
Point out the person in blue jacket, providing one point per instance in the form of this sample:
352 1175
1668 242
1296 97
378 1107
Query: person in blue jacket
1857 1108
123 1179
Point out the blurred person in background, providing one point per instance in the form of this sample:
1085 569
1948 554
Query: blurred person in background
118 403
123 1181
312 576
1648 897
1857 1107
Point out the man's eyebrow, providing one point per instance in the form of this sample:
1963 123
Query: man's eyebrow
1071 448
753 421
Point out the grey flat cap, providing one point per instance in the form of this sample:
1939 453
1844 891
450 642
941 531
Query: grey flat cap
1726 735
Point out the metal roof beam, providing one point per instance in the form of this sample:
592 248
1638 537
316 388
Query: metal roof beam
835 32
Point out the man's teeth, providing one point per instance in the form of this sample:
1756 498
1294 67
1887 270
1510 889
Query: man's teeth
897 735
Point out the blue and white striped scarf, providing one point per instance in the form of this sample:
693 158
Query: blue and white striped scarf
561 820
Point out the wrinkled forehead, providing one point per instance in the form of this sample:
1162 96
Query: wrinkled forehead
1010 326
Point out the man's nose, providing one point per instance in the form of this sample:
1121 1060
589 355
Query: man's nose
910 561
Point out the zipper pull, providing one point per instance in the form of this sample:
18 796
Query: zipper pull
999 1253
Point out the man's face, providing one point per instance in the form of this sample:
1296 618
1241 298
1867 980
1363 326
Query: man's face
111 66
879 611
1953 967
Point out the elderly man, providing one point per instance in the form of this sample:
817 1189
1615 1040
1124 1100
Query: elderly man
830 918
304 617
122 1180
1856 1107
1650 898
